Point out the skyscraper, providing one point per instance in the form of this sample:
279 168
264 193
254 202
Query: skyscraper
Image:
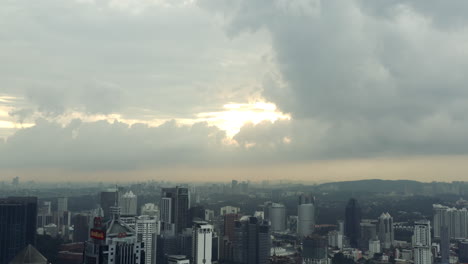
385 230
108 199
128 203
455 219
150 209
202 238
352 222
422 242
179 204
315 250
147 230
305 216
18 216
62 205
444 245
252 241
276 214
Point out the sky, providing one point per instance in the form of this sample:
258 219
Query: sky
212 90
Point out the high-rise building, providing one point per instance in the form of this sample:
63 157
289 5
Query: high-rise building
315 250
252 241
179 205
147 230
81 227
456 221
62 205
230 224
202 238
128 203
368 233
374 247
352 222
444 245
108 199
335 239
422 255
150 209
463 251
276 214
305 219
229 210
113 243
385 230
18 216
422 233
422 242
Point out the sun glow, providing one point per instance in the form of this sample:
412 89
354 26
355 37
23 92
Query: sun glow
236 115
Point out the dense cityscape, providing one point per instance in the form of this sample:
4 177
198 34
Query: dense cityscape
370 221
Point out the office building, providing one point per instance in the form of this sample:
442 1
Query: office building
386 233
62 205
315 250
128 203
252 241
147 230
113 242
229 225
202 239
352 222
108 199
18 216
81 227
374 247
368 233
179 207
276 214
305 219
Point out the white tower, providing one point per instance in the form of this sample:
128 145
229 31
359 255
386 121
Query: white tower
202 242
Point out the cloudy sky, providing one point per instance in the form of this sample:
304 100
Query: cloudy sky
205 90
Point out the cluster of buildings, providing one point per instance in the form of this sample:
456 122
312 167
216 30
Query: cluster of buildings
177 229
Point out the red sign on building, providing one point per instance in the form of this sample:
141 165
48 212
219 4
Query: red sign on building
98 234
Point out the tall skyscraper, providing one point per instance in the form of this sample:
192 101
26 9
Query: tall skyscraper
128 203
368 233
422 243
252 241
385 230
62 205
147 230
456 221
108 199
202 238
444 245
276 214
179 205
81 227
305 216
352 222
422 233
18 216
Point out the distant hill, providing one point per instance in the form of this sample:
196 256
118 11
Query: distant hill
373 186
